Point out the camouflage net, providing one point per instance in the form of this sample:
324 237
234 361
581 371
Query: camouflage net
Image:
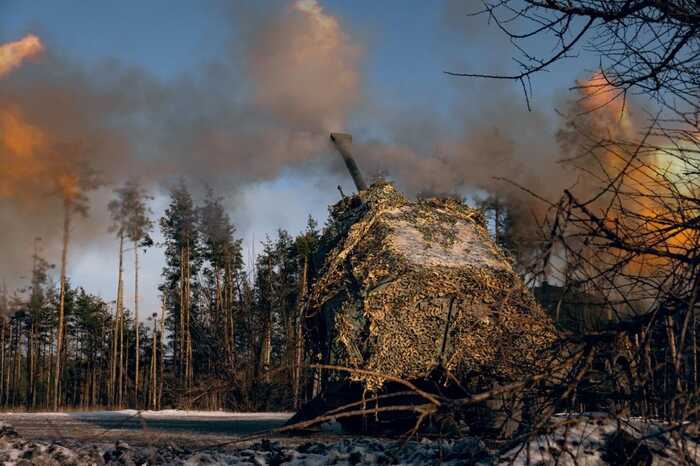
406 287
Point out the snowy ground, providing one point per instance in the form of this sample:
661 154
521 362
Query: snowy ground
590 439
598 439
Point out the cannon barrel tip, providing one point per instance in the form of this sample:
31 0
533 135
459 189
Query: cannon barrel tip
340 138
343 143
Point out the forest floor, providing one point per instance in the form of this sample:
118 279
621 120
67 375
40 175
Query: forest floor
194 438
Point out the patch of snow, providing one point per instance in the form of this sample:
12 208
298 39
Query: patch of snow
464 248
583 439
356 451
594 438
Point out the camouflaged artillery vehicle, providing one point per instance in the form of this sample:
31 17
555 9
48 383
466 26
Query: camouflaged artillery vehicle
418 289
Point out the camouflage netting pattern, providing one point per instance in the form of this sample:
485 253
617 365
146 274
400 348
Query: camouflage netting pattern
410 286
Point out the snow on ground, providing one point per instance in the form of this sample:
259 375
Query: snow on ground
14 450
584 439
597 439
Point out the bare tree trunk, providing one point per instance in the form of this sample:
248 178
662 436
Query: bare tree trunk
3 369
188 330
61 305
684 328
17 365
299 337
154 374
113 382
28 393
266 352
181 337
2 358
230 312
30 331
225 313
672 349
694 336
136 322
187 340
120 353
162 354
216 317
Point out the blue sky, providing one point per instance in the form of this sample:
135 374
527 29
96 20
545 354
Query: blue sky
167 37
407 44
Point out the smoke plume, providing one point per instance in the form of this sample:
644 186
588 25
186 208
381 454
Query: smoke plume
291 77
224 125
305 69
14 53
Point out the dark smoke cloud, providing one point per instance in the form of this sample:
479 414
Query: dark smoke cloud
293 76
220 126
496 137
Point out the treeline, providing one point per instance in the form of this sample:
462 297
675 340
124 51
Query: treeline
227 337
224 337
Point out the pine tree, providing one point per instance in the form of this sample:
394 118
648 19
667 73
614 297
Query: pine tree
276 313
89 324
306 245
183 261
130 215
506 227
118 210
37 308
287 264
71 186
264 296
64 304
222 272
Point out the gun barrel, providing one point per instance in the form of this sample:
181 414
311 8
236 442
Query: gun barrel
342 143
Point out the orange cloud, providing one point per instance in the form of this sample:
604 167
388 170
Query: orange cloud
13 54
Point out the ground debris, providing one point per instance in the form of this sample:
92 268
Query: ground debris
600 439
15 450
352 451
584 439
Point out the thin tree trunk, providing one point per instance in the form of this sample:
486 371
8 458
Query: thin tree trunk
2 357
266 352
154 375
676 370
30 331
28 395
181 336
217 318
186 324
121 370
113 383
684 328
3 312
162 354
61 305
694 336
136 321
299 337
17 365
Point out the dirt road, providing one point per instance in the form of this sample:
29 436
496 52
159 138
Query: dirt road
188 429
